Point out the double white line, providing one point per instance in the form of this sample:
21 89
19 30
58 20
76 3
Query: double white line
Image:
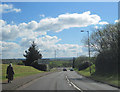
73 84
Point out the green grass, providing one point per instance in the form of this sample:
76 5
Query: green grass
111 79
20 71
108 78
86 72
58 63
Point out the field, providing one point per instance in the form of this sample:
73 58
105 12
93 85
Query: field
109 78
20 71
60 63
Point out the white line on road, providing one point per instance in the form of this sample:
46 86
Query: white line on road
73 84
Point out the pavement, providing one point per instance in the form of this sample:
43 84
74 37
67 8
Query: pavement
18 82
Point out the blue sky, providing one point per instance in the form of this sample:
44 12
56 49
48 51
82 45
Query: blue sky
37 11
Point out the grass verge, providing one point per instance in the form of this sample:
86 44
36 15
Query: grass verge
107 78
20 71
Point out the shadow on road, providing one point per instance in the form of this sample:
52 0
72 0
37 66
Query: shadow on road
83 79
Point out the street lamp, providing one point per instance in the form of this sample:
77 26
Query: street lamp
88 49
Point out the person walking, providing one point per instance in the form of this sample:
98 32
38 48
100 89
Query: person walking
10 73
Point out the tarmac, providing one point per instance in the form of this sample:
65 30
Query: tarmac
18 82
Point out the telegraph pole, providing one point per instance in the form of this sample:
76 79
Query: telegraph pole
88 50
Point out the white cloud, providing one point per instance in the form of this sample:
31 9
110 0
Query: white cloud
34 29
8 46
2 23
11 32
48 44
5 8
96 27
66 21
117 21
103 23
37 31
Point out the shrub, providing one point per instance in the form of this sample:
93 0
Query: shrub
20 63
42 67
107 62
83 66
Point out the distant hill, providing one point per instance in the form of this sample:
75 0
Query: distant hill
6 61
60 59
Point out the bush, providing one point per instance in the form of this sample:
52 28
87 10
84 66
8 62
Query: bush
41 67
83 66
80 60
20 63
107 62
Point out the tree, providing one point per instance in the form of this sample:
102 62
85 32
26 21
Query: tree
32 54
105 39
105 42
80 60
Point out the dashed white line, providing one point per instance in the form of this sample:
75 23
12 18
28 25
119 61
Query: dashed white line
72 84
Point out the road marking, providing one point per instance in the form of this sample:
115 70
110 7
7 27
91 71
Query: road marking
71 83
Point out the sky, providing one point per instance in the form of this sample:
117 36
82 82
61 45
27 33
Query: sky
52 25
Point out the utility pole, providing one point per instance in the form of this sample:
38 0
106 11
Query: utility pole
73 65
88 50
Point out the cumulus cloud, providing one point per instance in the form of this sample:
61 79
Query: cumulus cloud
66 21
8 46
37 31
11 50
11 32
47 49
96 27
117 20
103 23
2 23
34 29
5 8
48 44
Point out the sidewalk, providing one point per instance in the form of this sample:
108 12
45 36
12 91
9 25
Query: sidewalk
21 81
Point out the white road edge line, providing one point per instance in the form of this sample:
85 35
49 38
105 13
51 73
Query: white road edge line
73 84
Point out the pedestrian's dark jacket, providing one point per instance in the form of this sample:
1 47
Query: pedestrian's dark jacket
10 72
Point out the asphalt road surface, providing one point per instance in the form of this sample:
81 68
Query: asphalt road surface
65 80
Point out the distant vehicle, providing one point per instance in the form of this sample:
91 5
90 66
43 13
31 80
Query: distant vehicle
64 69
71 69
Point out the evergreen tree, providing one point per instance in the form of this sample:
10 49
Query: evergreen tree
32 54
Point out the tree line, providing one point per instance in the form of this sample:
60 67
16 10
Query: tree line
105 42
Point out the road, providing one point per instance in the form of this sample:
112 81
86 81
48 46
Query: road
65 80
